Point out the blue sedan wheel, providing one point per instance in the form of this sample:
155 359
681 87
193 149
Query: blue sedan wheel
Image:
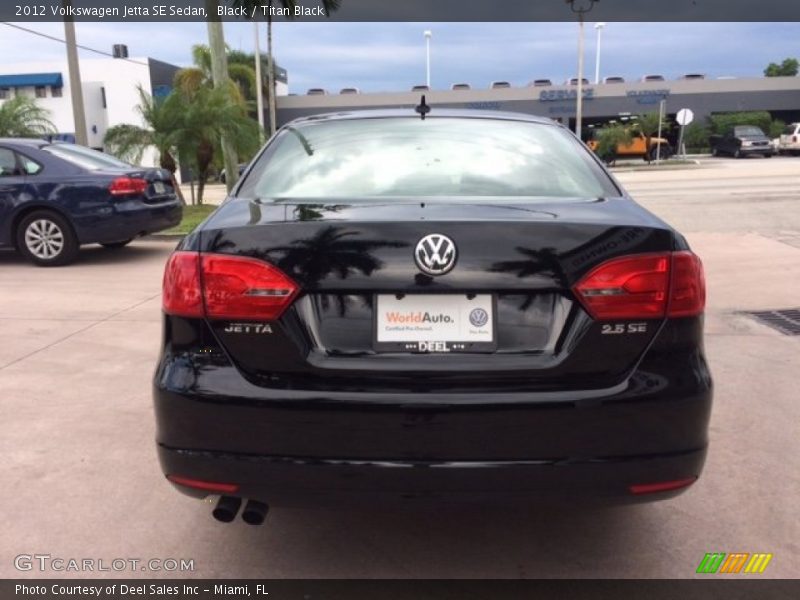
46 239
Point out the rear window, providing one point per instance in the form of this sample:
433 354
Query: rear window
85 157
409 157
790 129
748 131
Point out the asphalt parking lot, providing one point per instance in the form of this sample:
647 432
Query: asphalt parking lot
81 480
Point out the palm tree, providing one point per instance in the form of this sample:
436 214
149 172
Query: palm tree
327 5
205 114
129 142
192 78
649 124
22 117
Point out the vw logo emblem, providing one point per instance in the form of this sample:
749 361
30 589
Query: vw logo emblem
478 317
435 254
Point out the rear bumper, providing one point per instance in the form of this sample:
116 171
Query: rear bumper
307 482
127 219
310 448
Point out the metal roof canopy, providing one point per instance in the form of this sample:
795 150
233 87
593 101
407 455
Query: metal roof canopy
31 80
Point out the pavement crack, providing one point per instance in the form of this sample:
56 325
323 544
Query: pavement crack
81 330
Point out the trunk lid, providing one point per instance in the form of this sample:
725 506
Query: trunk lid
525 256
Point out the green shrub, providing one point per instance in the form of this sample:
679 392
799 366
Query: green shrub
608 138
721 122
695 137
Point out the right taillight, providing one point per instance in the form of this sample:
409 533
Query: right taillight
124 186
644 286
688 290
225 287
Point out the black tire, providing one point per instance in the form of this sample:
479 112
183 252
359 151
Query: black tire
665 153
770 155
46 239
116 245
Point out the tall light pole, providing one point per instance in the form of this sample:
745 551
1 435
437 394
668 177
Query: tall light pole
580 7
599 28
259 82
428 34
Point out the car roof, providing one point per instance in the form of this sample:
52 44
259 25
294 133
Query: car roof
38 142
435 113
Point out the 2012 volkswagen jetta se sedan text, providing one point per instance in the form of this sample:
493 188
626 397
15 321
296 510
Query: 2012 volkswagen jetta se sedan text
460 307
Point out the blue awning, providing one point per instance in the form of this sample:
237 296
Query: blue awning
31 80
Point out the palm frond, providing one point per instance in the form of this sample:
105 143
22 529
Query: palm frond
22 117
128 142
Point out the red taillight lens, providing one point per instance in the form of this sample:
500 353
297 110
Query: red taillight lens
208 486
244 288
688 292
123 186
661 486
645 286
225 287
182 295
630 287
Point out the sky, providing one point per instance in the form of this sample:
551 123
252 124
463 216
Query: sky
391 56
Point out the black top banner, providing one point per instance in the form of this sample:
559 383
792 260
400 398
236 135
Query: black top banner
404 11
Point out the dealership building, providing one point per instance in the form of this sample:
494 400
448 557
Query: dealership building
109 87
602 103
110 91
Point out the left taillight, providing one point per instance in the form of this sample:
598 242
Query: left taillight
182 295
225 287
644 286
124 186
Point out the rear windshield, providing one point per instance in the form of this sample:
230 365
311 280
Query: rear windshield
749 131
790 129
411 157
86 157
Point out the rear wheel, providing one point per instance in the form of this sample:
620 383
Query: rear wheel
662 154
116 245
46 239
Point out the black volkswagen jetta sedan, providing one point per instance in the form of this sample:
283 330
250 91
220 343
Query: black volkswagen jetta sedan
460 307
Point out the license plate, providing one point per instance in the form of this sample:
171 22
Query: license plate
159 187
435 323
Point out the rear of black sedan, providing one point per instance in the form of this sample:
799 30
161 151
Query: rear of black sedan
462 307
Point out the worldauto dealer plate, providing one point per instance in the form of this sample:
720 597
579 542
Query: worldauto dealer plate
435 323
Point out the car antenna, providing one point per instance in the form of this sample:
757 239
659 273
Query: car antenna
422 108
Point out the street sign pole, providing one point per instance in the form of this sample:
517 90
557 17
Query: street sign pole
684 117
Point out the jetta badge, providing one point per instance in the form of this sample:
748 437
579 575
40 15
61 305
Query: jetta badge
435 254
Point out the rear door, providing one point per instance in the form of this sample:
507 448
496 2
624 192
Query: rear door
12 184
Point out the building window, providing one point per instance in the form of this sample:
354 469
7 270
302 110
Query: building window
56 92
5 93
41 91
103 94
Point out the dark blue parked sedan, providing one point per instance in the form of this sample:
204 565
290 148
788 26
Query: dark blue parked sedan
55 197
